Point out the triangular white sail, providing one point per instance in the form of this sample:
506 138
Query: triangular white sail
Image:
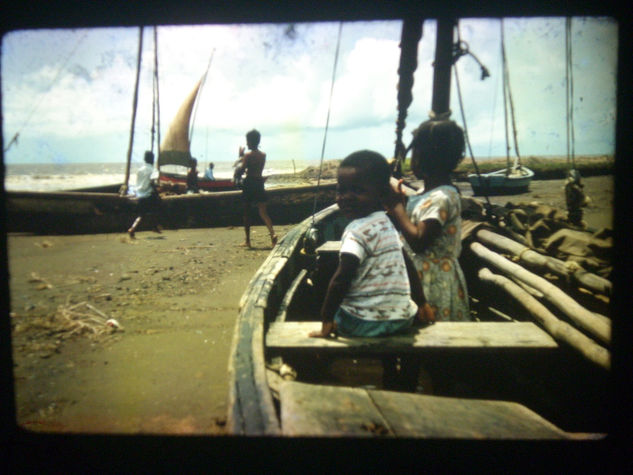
175 147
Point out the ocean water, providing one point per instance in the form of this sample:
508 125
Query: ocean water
66 176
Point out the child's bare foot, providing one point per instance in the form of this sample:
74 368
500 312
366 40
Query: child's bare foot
246 244
274 239
131 233
158 229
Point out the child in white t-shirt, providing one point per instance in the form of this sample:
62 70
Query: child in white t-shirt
375 290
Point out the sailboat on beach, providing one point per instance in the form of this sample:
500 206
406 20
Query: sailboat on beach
175 151
109 209
515 178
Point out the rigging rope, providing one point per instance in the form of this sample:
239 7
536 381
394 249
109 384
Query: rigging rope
484 75
467 139
411 34
569 80
327 120
14 139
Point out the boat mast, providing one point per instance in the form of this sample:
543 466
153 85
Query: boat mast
124 188
442 69
508 93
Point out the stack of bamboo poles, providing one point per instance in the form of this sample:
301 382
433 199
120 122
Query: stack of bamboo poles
587 332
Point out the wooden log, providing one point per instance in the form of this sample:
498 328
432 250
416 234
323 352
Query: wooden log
597 325
558 329
586 279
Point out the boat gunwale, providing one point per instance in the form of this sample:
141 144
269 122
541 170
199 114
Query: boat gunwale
257 309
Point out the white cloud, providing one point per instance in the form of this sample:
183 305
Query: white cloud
278 78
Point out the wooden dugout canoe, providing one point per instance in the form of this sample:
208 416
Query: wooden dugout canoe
499 377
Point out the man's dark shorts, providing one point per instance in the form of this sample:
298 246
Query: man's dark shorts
253 190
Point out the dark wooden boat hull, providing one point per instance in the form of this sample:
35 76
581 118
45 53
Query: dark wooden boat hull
83 212
548 379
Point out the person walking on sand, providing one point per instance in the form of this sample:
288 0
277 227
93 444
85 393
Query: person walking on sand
430 221
148 198
253 193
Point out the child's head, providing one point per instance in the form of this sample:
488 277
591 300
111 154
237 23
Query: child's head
149 157
438 147
252 139
363 181
211 165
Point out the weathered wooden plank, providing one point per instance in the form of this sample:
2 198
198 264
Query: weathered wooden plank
329 246
314 410
440 336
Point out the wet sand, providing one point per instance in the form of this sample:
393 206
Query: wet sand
176 296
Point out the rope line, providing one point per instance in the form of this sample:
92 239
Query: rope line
467 139
327 120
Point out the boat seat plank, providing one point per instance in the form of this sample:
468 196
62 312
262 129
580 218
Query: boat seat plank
318 410
441 336
329 247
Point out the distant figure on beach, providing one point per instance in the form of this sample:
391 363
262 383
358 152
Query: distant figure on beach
430 221
148 199
253 193
375 289
575 198
192 177
208 174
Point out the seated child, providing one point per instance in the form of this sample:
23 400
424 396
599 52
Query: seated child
372 291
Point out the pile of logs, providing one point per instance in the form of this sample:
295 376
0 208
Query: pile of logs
517 270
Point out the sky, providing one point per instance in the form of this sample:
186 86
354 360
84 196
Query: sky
69 92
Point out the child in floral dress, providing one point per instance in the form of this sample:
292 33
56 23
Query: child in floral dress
430 221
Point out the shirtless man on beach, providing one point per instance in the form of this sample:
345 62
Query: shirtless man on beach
253 185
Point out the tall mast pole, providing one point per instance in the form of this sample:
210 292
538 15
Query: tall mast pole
124 188
442 69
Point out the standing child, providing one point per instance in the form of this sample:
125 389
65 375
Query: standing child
253 192
431 221
369 293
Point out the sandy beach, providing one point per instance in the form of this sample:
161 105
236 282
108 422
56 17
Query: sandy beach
174 297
